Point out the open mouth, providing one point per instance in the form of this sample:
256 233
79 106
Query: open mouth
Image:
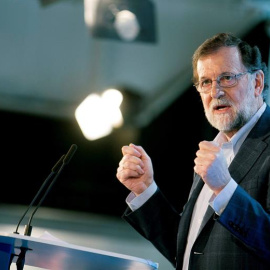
220 107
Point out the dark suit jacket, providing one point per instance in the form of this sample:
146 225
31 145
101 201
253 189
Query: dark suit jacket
240 237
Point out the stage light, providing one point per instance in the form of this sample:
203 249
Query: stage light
97 115
125 20
126 25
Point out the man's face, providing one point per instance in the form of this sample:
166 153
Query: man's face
228 109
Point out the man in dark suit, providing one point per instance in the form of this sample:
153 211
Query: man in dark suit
225 223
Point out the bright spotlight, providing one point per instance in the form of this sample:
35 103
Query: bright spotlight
97 115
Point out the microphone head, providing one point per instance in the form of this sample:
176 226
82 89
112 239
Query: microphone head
70 153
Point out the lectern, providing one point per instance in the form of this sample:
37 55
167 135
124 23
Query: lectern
54 255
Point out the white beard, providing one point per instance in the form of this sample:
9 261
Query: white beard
237 117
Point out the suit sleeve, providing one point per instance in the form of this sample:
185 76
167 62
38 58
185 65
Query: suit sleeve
157 221
249 222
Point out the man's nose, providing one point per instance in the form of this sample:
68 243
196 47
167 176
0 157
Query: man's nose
216 90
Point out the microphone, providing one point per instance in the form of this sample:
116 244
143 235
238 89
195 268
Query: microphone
55 168
55 171
66 160
70 154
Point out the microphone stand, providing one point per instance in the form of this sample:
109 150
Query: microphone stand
53 171
28 227
66 159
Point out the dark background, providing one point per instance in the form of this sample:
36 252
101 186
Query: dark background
31 145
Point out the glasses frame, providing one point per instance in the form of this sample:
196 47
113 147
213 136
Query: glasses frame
236 76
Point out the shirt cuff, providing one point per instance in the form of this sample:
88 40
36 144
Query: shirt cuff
134 202
219 202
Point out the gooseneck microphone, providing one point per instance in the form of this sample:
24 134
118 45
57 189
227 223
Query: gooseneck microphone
55 171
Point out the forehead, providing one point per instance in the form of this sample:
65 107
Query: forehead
226 59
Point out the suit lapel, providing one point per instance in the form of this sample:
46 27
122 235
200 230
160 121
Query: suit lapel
249 152
251 148
195 191
187 213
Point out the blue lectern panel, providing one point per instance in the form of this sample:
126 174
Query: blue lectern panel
63 256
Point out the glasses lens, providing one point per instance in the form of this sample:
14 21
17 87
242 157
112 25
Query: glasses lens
227 80
204 86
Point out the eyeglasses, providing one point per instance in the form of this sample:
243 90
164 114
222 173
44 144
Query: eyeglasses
224 80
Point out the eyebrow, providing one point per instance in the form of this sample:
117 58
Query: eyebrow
223 73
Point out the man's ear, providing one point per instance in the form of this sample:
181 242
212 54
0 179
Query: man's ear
259 82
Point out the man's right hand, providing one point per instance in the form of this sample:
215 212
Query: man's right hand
135 169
